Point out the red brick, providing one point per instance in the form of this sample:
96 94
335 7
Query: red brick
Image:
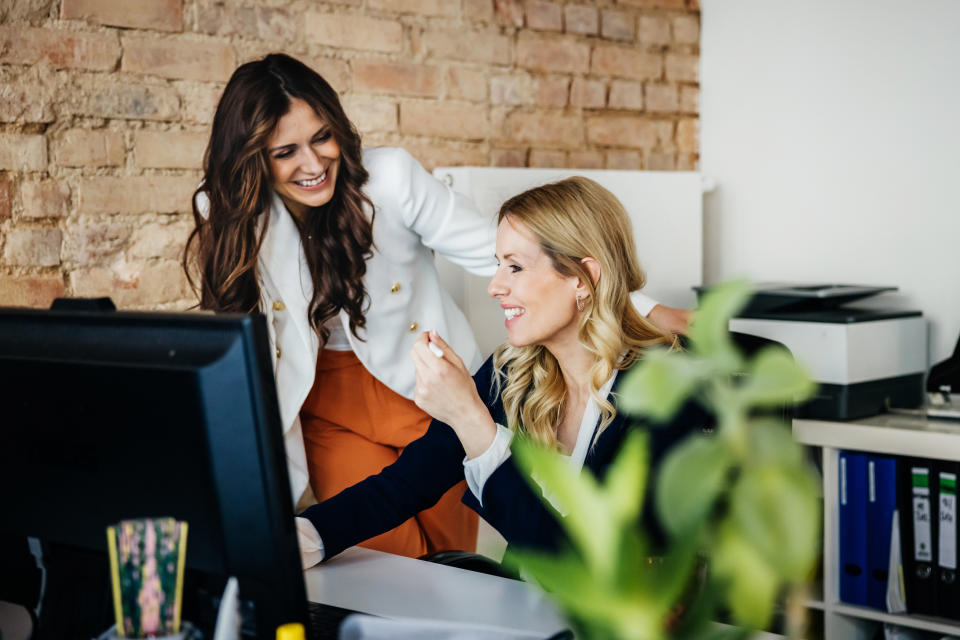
169 149
545 16
162 15
335 72
354 32
687 131
448 154
27 94
626 62
656 4
585 160
553 91
134 285
180 58
689 99
564 54
478 10
662 97
466 84
474 46
371 114
548 159
682 68
116 96
660 162
45 199
509 12
263 23
96 241
626 94
654 31
32 247
60 48
200 100
665 129
136 194
582 18
544 128
444 120
588 94
686 30
508 158
86 148
623 160
622 131
23 152
443 8
6 196
160 240
617 25
397 78
513 89
30 291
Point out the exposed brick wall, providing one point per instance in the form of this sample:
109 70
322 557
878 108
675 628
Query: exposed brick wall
105 107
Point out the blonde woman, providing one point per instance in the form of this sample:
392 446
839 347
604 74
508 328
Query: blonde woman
567 265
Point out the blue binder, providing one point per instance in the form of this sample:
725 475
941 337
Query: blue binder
853 528
881 503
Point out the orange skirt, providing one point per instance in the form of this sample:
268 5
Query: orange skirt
354 426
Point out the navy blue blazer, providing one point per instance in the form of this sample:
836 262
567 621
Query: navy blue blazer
432 464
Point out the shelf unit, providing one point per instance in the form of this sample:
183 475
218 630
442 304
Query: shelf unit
894 434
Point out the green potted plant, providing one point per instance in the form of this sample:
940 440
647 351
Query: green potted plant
740 506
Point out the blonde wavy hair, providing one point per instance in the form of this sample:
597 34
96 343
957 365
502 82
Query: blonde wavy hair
571 220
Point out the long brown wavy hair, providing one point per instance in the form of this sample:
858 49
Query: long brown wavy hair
221 253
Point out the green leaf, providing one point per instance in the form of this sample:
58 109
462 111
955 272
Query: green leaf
775 378
592 527
751 584
690 480
771 441
709 332
777 509
659 384
590 600
626 479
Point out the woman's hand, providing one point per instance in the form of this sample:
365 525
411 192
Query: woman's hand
445 389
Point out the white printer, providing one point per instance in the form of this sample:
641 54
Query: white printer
864 360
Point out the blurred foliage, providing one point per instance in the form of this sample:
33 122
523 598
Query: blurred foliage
740 506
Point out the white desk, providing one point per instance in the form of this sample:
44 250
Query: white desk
397 587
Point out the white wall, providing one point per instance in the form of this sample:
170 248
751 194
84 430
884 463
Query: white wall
832 129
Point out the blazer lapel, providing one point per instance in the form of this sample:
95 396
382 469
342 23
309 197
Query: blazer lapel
283 265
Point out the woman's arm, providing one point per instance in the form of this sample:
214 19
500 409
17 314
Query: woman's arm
426 469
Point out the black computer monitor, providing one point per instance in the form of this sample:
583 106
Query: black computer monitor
106 416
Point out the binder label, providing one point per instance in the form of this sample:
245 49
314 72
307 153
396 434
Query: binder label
948 521
871 481
843 480
922 537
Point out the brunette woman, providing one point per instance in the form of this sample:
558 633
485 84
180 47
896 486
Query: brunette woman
335 244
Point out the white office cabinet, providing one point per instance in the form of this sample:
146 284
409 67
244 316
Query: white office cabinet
886 434
666 208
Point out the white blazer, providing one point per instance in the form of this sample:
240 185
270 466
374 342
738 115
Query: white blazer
416 214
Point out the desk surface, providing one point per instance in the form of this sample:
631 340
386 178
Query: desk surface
397 587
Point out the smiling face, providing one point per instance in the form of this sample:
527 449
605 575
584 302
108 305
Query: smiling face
539 303
304 159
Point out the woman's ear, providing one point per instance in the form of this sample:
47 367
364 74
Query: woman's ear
593 268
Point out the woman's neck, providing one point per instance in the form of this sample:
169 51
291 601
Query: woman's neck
575 363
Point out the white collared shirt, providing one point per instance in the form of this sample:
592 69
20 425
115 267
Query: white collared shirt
478 470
